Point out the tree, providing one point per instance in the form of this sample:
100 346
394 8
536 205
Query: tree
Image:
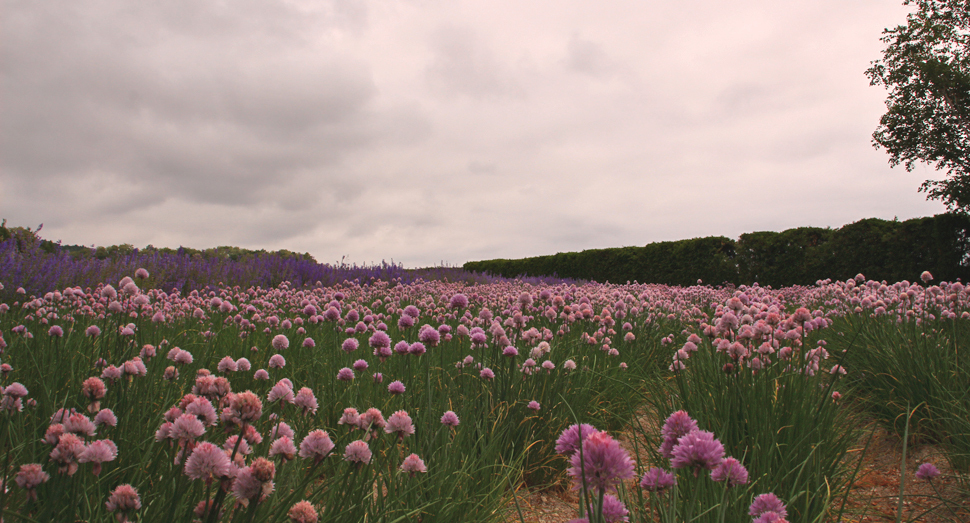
926 69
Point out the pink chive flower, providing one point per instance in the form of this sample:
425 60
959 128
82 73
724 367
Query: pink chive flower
396 387
248 488
30 477
360 365
413 464
302 512
276 361
106 417
246 406
186 428
417 348
399 423
570 438
207 462
450 419
657 480
280 342
350 417
534 405
306 401
283 447
281 429
92 332
280 392
55 332
767 503
601 464
123 500
698 449
98 452
69 448
349 345
80 424
261 374
316 445
731 471
227 364
486 374
308 343
345 374
357 452
927 471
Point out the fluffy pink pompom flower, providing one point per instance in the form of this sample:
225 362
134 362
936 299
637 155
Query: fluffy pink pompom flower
123 500
303 512
413 464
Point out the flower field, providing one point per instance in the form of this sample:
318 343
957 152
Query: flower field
432 400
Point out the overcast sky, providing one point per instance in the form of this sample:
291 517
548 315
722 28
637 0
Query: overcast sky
430 131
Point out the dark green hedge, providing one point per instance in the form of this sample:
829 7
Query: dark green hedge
879 249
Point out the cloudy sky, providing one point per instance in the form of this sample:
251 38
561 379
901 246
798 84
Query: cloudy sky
429 131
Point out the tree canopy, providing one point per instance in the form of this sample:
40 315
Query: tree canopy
926 69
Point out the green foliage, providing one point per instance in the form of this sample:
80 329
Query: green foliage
879 249
926 68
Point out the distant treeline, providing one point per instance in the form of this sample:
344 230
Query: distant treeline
879 249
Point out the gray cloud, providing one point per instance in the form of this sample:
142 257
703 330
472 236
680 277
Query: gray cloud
421 130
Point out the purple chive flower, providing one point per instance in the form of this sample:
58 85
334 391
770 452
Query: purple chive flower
360 365
417 348
657 480
927 471
349 345
396 387
679 424
570 438
55 331
614 511
98 452
534 405
731 471
510 351
767 503
601 464
30 477
449 418
345 374
486 374
697 449
401 347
